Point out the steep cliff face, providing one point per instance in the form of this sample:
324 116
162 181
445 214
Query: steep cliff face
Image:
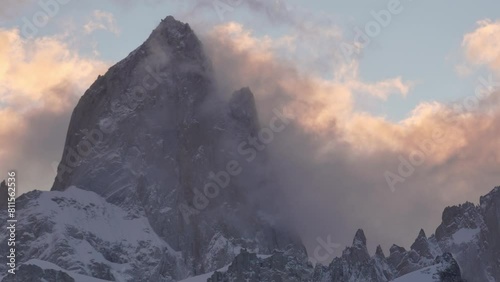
154 140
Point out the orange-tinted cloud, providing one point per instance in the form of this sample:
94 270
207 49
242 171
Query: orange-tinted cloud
323 106
318 103
333 159
32 67
482 46
40 81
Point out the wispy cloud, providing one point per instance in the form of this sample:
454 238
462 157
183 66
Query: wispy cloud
102 20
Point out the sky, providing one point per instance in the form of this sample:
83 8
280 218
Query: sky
373 87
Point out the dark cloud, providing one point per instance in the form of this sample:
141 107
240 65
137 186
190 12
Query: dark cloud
33 145
41 80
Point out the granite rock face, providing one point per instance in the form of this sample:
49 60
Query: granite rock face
157 149
162 135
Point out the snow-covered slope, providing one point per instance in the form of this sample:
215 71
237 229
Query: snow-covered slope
80 232
445 269
423 275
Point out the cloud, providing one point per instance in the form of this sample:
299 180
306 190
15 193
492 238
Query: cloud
332 160
482 46
348 74
101 20
40 82
319 102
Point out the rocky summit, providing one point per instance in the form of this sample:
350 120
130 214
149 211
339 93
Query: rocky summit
151 187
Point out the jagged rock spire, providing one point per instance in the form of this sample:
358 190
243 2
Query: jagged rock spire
244 110
421 234
379 252
358 250
359 239
421 245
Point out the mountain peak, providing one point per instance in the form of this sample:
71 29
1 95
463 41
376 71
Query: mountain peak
170 19
359 239
175 38
156 136
421 245
171 26
242 108
379 252
421 234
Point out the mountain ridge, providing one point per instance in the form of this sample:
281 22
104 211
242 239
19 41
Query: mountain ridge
137 197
